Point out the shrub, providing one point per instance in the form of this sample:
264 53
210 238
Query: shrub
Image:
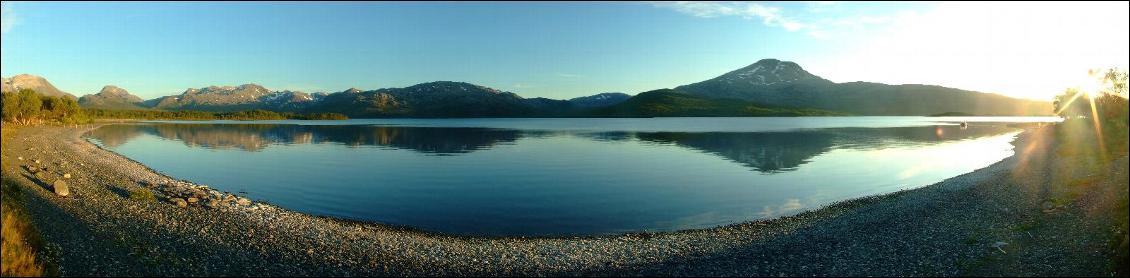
142 194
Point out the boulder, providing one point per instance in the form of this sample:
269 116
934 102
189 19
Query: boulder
179 202
60 187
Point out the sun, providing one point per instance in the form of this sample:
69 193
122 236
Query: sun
1090 86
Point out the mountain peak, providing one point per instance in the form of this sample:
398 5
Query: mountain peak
768 72
250 89
111 90
111 97
34 82
451 86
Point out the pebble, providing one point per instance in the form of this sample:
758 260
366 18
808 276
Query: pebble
61 188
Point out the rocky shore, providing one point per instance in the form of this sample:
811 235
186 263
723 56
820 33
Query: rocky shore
120 218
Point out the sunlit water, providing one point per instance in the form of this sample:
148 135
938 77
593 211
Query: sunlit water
537 177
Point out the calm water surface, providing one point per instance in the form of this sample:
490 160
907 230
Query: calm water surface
537 177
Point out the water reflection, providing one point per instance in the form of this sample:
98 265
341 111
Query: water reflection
547 181
767 152
256 137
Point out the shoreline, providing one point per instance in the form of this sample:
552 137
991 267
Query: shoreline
842 204
257 204
350 247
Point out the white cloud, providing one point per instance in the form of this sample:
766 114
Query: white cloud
770 16
8 17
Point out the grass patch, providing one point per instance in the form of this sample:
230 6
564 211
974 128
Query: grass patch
19 238
1084 151
1024 227
142 194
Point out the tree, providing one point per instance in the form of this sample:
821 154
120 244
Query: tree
1110 101
28 106
1115 79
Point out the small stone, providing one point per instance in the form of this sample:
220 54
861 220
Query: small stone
20 158
60 187
243 201
66 176
179 202
32 169
193 200
1048 206
37 161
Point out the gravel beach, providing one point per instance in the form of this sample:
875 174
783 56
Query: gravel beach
994 221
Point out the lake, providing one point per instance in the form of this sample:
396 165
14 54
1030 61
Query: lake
557 177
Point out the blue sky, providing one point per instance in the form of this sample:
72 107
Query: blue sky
556 50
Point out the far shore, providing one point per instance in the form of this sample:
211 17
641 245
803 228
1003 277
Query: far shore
992 221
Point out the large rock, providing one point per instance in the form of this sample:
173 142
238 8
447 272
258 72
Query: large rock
60 187
179 202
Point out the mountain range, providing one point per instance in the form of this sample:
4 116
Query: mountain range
769 87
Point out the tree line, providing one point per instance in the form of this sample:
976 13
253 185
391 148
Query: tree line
27 107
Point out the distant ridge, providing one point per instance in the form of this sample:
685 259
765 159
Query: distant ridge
767 87
783 83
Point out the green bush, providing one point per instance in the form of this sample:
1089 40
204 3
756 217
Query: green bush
142 194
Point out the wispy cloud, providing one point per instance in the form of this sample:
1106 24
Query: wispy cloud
569 75
770 16
8 17
818 19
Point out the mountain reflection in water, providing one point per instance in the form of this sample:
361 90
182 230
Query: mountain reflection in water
766 152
